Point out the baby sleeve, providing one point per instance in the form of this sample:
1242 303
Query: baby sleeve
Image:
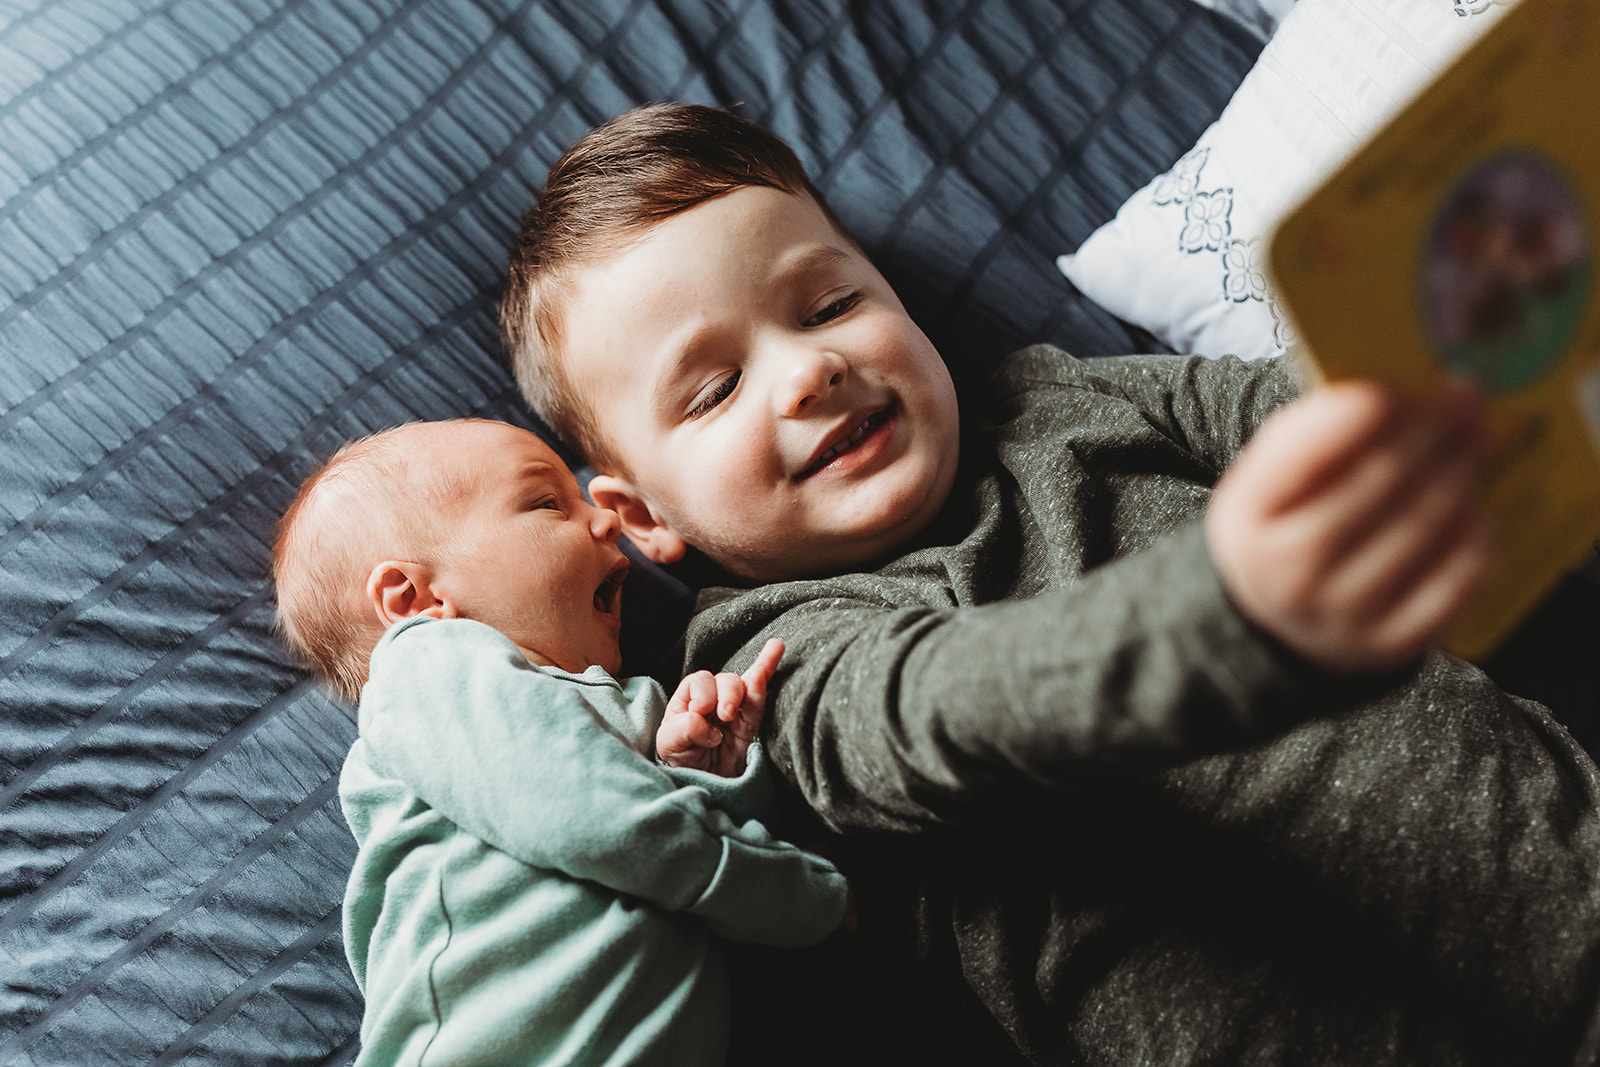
523 760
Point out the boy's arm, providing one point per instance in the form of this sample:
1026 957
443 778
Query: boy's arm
516 758
892 717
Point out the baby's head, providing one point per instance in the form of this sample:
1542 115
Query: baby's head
685 311
461 519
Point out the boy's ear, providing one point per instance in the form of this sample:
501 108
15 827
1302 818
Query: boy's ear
648 532
399 589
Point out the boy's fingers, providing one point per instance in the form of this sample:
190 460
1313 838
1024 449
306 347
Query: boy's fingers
1401 548
1416 622
1311 440
1389 500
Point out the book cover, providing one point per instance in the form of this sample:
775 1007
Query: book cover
1460 242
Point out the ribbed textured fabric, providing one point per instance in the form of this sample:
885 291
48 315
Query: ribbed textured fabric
234 233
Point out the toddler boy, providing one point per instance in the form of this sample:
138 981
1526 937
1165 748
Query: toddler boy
1181 779
531 886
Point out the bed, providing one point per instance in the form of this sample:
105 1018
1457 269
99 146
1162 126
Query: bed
234 233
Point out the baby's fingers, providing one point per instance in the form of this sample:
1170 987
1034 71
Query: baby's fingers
683 739
761 671
696 694
730 696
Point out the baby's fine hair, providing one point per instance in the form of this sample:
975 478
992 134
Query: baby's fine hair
369 502
614 183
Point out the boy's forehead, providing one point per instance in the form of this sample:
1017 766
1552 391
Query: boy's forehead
753 226
644 307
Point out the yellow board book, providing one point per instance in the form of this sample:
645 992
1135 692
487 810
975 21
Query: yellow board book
1460 242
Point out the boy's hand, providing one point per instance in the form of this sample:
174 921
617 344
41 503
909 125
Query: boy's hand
712 719
1349 527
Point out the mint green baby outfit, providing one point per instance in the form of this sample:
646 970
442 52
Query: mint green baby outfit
532 887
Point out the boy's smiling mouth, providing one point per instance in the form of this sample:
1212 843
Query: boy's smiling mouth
608 596
849 441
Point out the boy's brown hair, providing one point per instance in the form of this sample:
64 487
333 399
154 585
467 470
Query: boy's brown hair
364 505
612 185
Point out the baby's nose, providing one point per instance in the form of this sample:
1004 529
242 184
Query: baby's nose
604 525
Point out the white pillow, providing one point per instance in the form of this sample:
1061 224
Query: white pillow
1260 17
1182 258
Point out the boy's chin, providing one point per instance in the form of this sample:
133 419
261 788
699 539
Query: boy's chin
822 557
863 531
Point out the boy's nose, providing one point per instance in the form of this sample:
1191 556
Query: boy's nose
604 525
811 376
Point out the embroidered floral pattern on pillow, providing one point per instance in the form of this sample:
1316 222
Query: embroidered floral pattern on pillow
1464 8
1208 227
1177 185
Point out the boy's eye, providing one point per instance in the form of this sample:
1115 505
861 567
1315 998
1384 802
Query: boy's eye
833 310
718 394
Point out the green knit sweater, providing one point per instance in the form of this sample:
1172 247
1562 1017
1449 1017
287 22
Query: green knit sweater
1142 829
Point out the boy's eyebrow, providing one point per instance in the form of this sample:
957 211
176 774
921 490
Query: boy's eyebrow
814 259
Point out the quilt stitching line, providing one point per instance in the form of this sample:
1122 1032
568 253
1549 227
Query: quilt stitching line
69 163
938 169
228 1005
240 489
145 328
702 54
158 206
75 735
962 292
175 912
116 35
25 906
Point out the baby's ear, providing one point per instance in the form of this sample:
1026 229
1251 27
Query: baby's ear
647 530
400 589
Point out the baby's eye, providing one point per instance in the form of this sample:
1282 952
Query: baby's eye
717 395
833 310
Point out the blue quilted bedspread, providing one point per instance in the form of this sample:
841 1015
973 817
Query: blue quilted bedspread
234 233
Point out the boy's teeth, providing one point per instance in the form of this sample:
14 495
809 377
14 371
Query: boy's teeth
848 443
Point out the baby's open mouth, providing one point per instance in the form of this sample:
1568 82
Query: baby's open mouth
856 436
608 597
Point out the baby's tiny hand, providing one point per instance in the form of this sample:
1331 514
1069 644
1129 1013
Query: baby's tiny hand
712 719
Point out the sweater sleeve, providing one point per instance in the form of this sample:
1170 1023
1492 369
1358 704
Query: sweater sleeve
903 718
521 760
1208 407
